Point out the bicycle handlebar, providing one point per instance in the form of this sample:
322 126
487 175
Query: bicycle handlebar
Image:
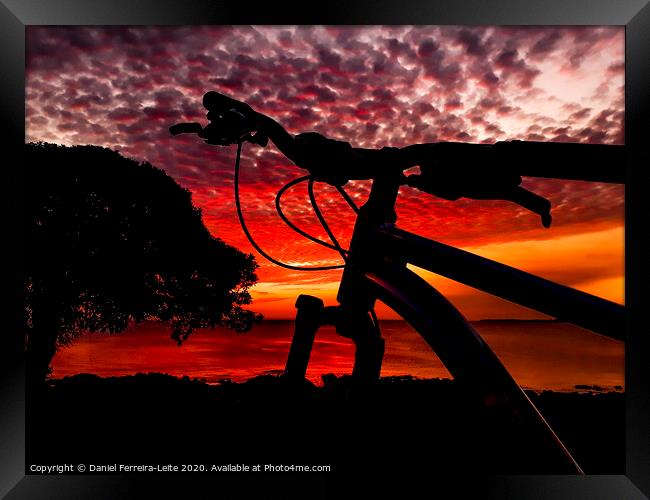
490 171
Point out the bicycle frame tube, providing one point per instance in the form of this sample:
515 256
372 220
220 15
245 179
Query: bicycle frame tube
469 359
561 302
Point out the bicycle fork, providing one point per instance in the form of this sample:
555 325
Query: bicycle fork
354 323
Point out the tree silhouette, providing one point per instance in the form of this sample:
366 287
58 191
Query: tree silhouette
111 241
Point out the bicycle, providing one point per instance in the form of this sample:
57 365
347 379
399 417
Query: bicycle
375 265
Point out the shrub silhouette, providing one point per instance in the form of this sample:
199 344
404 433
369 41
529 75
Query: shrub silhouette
110 241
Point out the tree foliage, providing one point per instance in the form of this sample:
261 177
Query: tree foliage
111 241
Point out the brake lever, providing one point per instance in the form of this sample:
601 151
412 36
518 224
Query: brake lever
533 202
186 128
196 128
516 194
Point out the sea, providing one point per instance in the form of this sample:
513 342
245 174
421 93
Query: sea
540 355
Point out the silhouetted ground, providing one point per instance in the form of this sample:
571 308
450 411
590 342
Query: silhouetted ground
405 424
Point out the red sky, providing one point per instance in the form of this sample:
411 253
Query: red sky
371 86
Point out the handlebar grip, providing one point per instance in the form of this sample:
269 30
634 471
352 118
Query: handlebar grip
215 101
186 128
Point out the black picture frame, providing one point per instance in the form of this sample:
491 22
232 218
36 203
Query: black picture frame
15 15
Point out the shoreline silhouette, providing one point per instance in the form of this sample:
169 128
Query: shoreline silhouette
156 417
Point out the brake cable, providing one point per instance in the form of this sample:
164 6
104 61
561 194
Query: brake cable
312 198
334 246
277 262
285 219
